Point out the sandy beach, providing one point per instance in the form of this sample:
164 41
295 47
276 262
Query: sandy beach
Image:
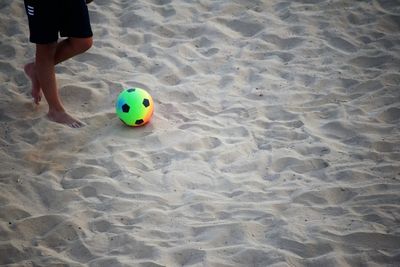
275 139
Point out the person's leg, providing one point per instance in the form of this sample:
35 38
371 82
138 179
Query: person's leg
65 49
36 89
71 47
45 73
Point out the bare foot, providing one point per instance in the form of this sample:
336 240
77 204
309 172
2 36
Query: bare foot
64 118
36 90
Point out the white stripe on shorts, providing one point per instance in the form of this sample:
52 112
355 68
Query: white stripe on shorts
31 10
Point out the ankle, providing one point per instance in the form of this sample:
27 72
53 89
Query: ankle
56 109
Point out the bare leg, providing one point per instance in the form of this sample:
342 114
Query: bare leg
36 89
65 49
71 47
42 75
45 73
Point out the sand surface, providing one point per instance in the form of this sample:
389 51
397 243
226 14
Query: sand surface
275 139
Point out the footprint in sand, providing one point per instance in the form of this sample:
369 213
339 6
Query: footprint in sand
297 165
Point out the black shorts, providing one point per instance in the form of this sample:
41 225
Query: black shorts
49 18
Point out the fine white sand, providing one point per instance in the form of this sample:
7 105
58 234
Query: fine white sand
275 139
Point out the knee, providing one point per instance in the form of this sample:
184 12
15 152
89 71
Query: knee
82 44
45 52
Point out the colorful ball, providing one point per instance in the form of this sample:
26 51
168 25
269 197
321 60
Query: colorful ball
134 106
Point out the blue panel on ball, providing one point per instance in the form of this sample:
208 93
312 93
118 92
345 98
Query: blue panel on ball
121 102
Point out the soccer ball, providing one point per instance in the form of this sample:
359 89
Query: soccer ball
134 106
